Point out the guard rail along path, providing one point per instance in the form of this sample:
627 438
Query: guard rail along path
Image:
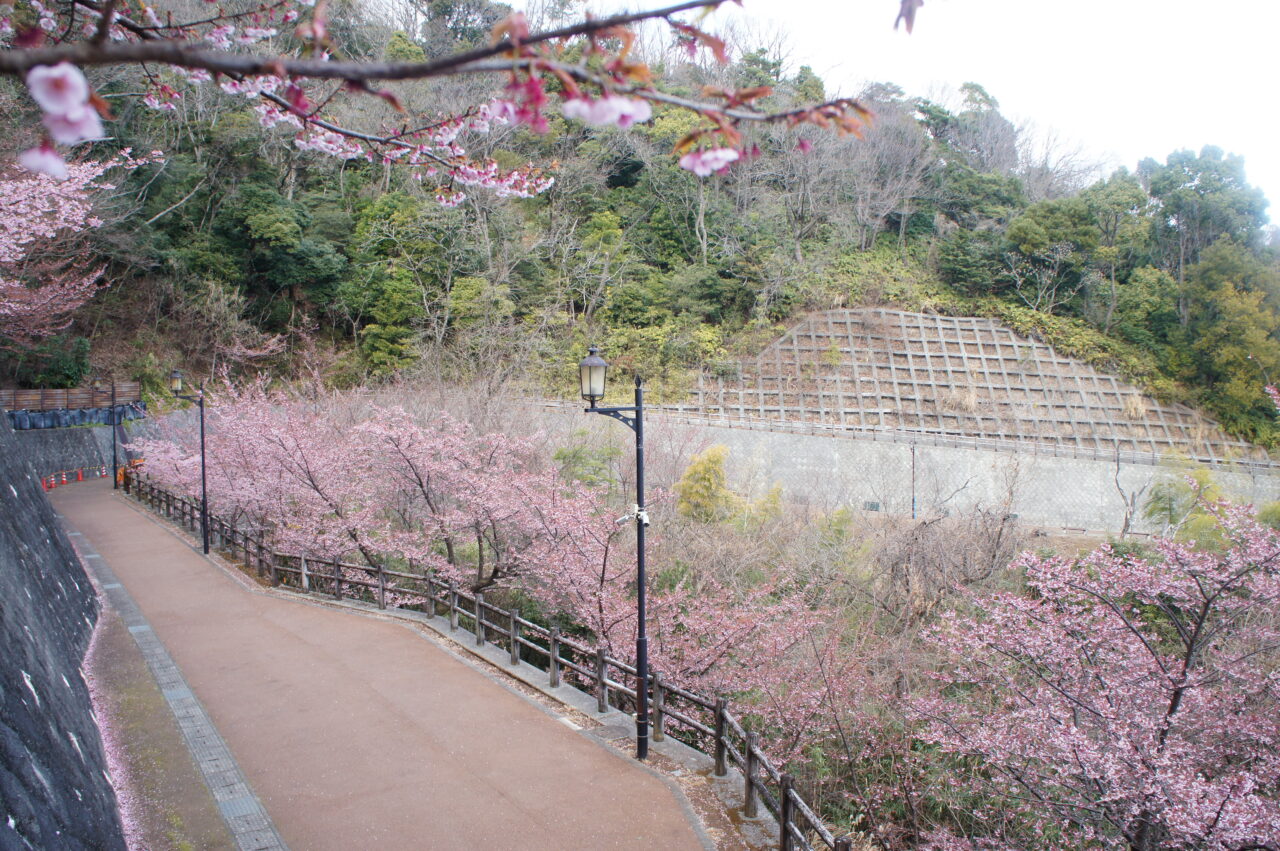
705 723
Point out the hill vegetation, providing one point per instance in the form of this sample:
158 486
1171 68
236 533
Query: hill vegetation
245 252
930 688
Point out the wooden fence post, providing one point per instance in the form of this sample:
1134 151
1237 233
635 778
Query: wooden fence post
271 566
749 808
514 615
479 619
659 731
453 605
722 745
602 690
306 575
553 657
785 808
844 843
259 560
382 587
337 579
431 595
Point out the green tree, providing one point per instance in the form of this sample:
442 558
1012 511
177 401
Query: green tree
1118 206
1232 338
388 343
808 86
1202 198
702 493
401 49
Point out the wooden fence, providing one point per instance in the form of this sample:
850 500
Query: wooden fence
76 397
705 723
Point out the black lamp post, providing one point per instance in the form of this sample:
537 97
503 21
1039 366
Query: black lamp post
115 463
592 371
175 386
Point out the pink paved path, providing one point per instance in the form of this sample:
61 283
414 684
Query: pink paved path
357 733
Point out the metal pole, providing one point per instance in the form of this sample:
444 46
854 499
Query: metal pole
913 481
115 463
642 638
204 484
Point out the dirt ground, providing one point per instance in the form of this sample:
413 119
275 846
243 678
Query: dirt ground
172 808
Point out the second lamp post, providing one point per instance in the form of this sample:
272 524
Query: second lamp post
175 386
592 371
115 424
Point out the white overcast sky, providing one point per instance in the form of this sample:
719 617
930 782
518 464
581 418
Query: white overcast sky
1125 79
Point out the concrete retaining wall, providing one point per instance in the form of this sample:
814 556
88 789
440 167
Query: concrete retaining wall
54 791
52 450
1042 490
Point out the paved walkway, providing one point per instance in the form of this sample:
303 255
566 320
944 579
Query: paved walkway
359 733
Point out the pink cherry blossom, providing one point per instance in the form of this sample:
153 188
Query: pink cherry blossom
44 160
80 124
36 210
59 88
703 163
607 111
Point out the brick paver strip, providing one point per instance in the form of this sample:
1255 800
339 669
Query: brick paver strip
244 814
358 733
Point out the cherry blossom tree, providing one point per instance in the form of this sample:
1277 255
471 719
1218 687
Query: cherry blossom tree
282 53
39 289
1121 701
336 479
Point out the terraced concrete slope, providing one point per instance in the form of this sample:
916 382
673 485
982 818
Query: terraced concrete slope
876 370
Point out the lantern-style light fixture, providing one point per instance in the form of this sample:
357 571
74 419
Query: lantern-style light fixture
175 381
98 384
591 372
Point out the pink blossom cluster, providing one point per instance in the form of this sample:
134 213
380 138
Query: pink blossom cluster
1126 697
528 98
46 19
328 142
269 115
62 93
610 110
519 184
488 114
38 209
163 98
252 35
705 162
252 86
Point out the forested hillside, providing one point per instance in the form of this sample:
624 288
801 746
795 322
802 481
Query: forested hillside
245 249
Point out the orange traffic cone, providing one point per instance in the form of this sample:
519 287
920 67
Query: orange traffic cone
80 475
64 477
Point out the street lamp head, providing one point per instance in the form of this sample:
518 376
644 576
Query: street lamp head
175 382
98 383
591 373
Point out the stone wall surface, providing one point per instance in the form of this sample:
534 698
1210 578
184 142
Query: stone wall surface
51 450
54 789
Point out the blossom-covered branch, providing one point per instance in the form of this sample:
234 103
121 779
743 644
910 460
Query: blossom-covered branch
587 66
38 295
